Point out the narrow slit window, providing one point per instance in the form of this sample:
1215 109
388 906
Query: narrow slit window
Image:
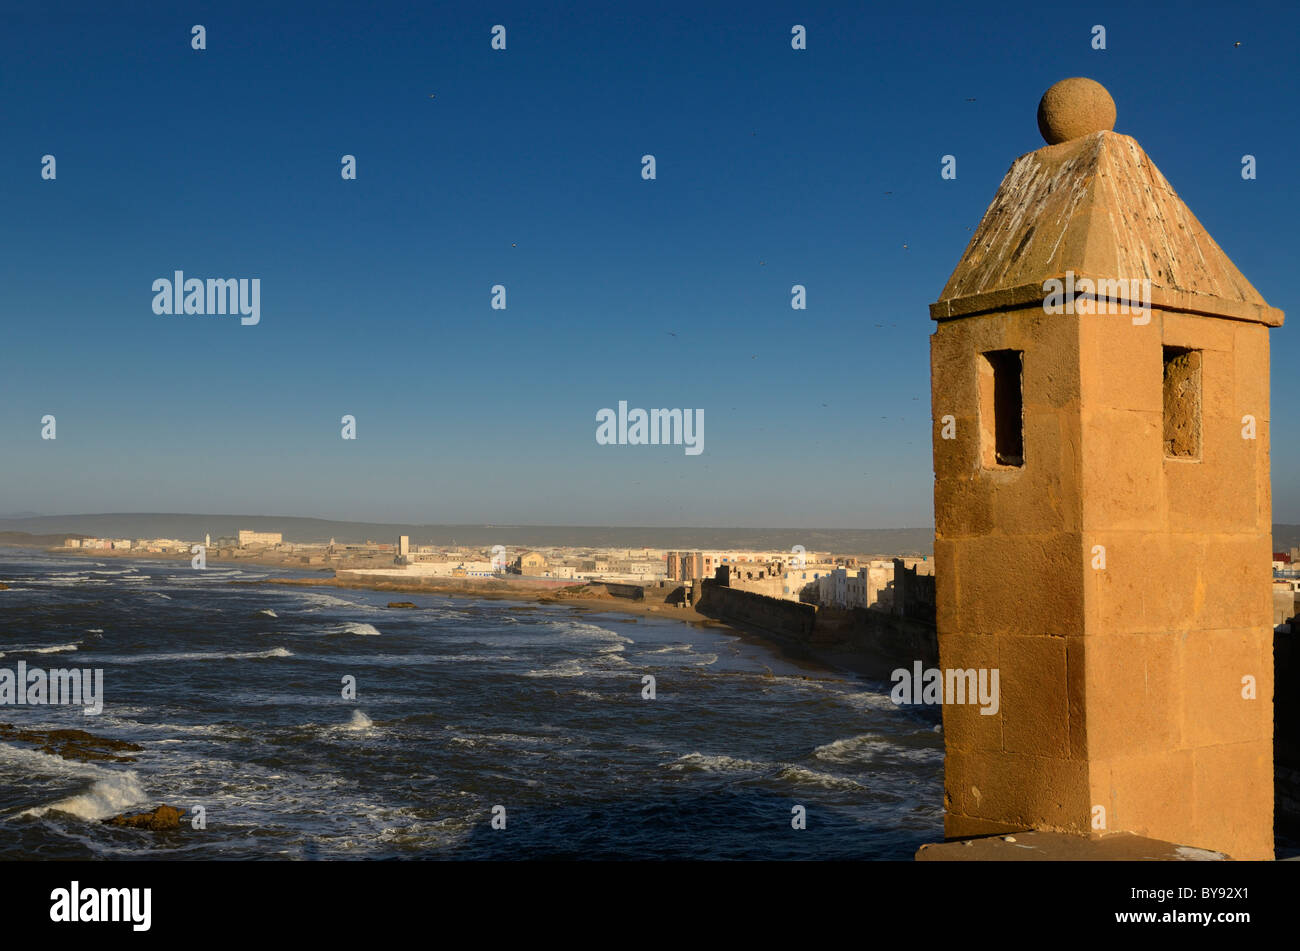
1002 409
1182 384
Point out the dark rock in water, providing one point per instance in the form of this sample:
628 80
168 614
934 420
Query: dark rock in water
400 604
72 744
160 820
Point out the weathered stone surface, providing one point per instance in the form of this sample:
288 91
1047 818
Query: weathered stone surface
1055 847
1182 391
1035 721
1096 206
1020 790
964 726
162 819
1075 107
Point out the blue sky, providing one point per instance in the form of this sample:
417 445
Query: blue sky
524 169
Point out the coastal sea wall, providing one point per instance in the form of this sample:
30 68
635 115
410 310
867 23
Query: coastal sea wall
786 619
870 643
633 592
883 641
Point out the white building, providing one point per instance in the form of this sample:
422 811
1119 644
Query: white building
248 538
794 580
839 589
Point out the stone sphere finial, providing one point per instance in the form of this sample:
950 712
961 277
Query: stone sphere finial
1075 107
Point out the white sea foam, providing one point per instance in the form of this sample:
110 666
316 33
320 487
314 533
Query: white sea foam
56 649
867 747
469 738
326 600
193 655
812 777
23 761
518 740
136 727
869 700
568 668
68 581
853 749
408 660
360 629
104 799
704 763
581 629
358 723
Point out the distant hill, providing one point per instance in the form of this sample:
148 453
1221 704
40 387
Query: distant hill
28 540
899 541
1285 537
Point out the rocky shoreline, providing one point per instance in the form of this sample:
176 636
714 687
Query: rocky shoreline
72 744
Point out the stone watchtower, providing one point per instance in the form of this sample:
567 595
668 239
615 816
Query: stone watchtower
1100 387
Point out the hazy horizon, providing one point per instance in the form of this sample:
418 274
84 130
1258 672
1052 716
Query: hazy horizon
919 540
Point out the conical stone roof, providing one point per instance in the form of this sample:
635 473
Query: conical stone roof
1095 205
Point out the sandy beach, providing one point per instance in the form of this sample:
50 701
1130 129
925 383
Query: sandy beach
580 596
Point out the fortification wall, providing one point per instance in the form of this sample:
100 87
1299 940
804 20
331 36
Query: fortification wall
789 619
871 643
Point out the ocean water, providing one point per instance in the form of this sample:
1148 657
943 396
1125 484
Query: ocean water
234 691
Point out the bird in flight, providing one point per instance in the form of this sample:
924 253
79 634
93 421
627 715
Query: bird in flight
970 100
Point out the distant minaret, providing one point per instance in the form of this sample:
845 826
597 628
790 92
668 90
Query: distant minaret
1102 504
